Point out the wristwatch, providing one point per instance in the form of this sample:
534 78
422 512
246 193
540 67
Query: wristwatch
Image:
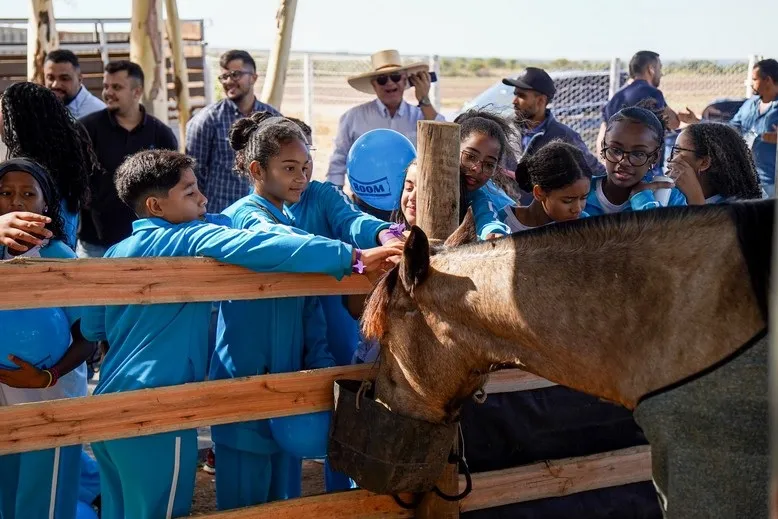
424 101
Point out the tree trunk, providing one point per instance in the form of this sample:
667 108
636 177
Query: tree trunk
146 50
180 72
42 37
275 77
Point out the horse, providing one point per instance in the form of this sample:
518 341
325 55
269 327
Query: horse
663 312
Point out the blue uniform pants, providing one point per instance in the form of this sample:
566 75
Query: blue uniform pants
40 484
148 477
245 478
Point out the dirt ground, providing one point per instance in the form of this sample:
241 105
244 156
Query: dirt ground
205 487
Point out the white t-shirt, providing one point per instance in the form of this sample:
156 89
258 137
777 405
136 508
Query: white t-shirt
513 223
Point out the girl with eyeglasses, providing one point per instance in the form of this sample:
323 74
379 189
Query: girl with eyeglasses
484 142
631 147
718 158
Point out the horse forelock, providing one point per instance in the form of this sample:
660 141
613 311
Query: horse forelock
376 314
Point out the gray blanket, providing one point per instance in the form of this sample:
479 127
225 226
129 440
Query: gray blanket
710 440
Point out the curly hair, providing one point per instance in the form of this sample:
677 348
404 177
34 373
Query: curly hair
38 126
259 137
732 173
490 123
554 166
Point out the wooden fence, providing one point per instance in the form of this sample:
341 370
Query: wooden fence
42 425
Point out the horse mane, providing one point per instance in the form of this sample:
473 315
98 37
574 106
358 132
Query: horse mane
753 221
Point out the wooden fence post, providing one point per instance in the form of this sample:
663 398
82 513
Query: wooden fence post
275 76
146 50
42 38
437 213
180 72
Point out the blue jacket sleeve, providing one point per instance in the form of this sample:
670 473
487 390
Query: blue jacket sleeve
270 249
316 353
348 222
737 121
93 323
485 215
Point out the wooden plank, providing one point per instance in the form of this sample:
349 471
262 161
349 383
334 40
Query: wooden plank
195 76
558 478
13 69
510 380
352 504
194 91
84 282
72 421
192 30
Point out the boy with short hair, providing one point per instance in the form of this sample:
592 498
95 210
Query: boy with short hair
166 344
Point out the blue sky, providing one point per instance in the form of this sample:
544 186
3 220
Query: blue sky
573 29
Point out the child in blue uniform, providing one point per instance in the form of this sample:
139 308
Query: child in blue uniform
484 142
559 179
632 145
273 152
40 484
716 156
166 344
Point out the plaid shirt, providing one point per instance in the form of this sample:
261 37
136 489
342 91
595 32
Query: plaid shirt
207 140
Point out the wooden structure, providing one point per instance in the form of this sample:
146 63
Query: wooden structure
42 37
95 46
273 88
147 51
74 421
180 72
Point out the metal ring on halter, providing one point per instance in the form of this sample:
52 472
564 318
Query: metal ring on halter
409 506
456 459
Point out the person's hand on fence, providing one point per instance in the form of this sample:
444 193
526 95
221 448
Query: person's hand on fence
21 230
421 82
771 137
688 117
26 377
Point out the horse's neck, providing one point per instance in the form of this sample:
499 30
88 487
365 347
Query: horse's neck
614 317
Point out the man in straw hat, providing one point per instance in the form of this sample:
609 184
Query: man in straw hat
388 81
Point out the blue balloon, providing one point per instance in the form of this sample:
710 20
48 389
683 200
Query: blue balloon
40 336
376 167
303 435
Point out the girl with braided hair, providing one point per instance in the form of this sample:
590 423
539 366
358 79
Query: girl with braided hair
718 157
35 124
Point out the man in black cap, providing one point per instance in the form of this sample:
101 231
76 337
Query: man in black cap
533 91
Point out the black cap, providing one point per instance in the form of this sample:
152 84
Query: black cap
533 79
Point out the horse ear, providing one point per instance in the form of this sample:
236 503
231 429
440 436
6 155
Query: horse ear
465 233
415 263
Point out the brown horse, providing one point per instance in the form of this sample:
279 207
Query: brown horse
663 312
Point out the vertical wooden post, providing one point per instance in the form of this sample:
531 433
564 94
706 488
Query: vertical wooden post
437 213
146 50
437 188
42 37
180 72
275 77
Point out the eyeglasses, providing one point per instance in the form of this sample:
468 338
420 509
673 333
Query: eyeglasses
677 149
233 75
471 161
635 158
384 79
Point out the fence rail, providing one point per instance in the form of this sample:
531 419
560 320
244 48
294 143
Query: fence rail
43 425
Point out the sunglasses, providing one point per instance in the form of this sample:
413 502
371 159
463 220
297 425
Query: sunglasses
384 79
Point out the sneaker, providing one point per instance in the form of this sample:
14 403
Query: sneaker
209 466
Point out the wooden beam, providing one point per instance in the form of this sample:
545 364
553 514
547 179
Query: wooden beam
180 72
490 489
116 281
558 478
437 186
437 213
146 50
510 380
42 37
352 504
45 425
275 76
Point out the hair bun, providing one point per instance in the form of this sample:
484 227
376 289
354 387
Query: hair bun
523 178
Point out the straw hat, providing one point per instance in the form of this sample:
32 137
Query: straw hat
384 62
